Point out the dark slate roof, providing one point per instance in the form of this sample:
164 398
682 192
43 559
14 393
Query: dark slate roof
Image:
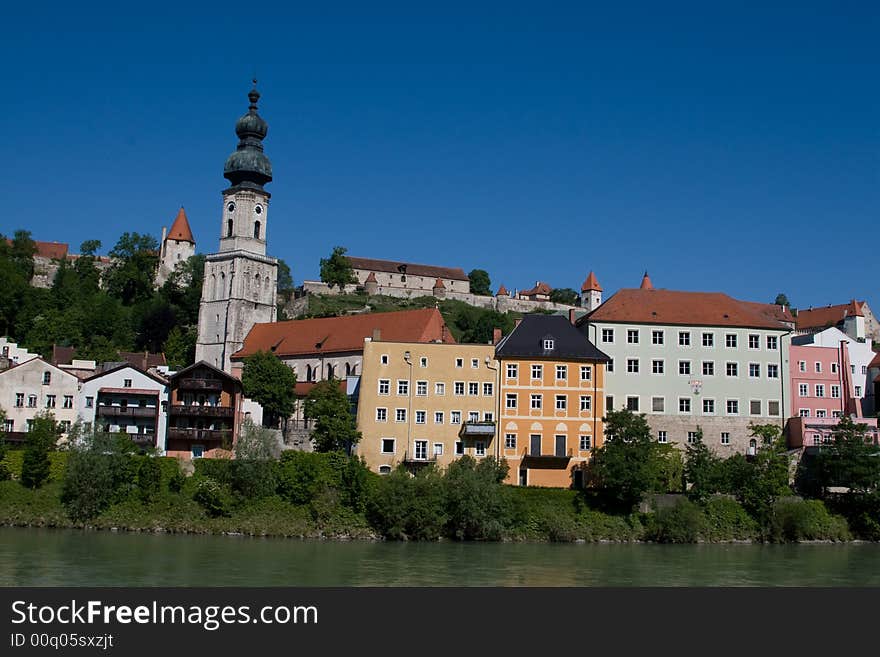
527 340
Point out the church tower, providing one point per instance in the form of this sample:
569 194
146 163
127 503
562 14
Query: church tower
240 279
178 246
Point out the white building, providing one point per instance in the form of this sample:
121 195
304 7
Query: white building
126 399
694 360
36 386
12 354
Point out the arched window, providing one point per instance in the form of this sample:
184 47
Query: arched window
214 284
348 369
331 370
257 229
229 228
308 372
221 286
354 369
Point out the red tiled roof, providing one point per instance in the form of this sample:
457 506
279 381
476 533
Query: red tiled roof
342 334
390 266
51 250
646 283
62 355
540 288
304 388
771 311
438 284
142 359
650 306
180 230
829 315
591 284
502 291
371 278
876 361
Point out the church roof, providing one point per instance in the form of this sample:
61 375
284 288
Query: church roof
180 229
591 284
646 283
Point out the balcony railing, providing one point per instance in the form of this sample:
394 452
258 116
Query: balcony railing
199 434
201 411
471 429
127 411
413 459
555 456
200 384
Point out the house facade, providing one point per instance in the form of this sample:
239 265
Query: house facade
129 400
380 276
33 387
817 384
551 401
425 403
204 408
694 360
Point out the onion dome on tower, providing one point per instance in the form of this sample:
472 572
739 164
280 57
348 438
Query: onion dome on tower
248 166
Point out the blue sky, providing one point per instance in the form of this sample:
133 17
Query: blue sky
720 147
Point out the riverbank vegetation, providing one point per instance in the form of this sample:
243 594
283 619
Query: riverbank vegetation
670 497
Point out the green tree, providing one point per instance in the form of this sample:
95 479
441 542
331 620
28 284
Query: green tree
272 384
180 347
630 462
149 478
135 259
256 443
183 289
22 251
480 283
477 505
760 480
852 460
564 295
335 427
86 270
337 269
701 469
285 281
782 300
40 441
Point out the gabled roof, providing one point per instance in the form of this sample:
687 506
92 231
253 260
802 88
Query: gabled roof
122 366
540 288
652 306
771 311
876 361
829 315
143 360
180 229
32 362
51 250
344 334
527 340
411 269
591 284
220 374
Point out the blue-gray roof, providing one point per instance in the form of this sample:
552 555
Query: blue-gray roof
529 338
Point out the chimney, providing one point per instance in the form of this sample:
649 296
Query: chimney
377 334
496 335
571 315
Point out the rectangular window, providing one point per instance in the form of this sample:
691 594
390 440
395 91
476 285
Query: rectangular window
561 402
19 399
772 342
609 402
421 388
803 390
458 388
473 388
609 367
802 365
754 370
454 417
708 368
657 337
421 417
732 407
755 407
835 392
561 372
632 365
68 401
773 408
402 387
537 372
632 336
475 363
684 367
510 400
90 402
549 344
709 407
836 414
632 404
657 366
684 338
692 437
480 448
488 416
384 359
834 368
50 401
804 412
438 417
754 341
459 362
126 383
421 450
585 443
47 378
821 413
510 441
473 416
772 371
708 339
512 370
384 387
535 402
732 369
400 415
725 437
423 362
658 404
730 340
820 390
607 335
488 389
459 448
388 445
818 367
381 415
684 405
8 425
438 449
661 437
560 445
586 403
586 372
439 388
864 369
32 401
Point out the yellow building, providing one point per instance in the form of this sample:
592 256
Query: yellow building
417 398
551 401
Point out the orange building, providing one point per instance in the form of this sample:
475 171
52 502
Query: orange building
551 402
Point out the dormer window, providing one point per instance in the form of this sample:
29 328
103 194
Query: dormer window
549 344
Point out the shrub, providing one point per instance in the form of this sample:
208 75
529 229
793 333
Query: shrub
794 520
684 522
477 505
728 520
254 479
405 507
35 467
220 470
149 478
97 475
176 481
302 475
210 496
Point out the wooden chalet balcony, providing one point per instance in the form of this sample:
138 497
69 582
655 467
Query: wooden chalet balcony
127 411
200 384
201 435
194 410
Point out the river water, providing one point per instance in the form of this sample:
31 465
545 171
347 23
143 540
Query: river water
38 557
